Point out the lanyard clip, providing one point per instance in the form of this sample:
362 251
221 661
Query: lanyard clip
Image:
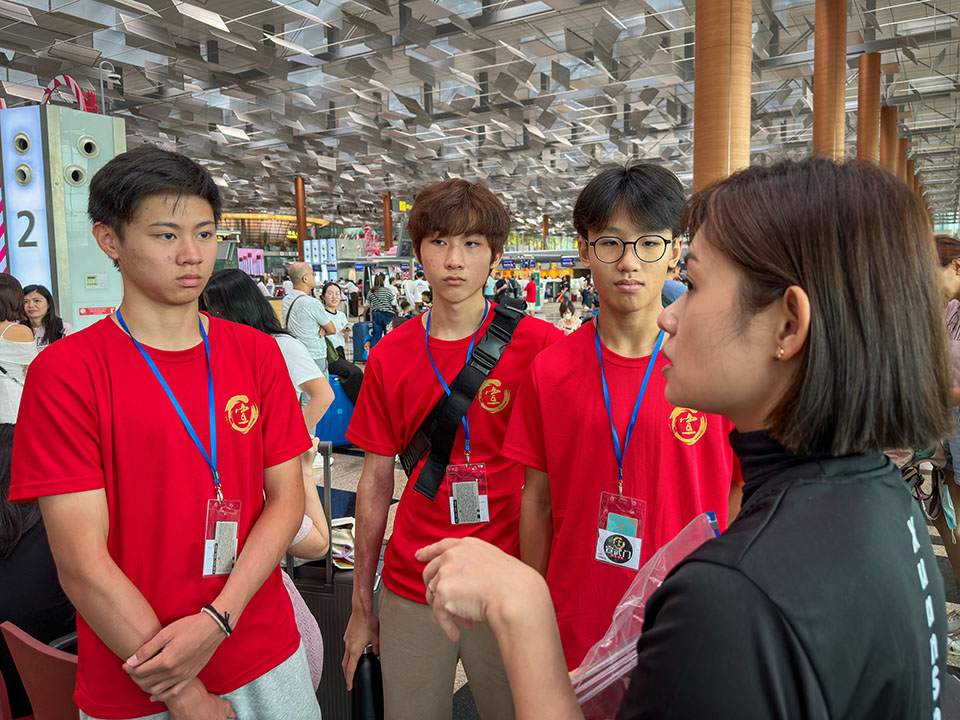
467 455
216 485
620 483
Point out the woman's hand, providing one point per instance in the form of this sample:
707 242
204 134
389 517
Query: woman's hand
469 581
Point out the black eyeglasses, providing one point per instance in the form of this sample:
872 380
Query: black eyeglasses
648 249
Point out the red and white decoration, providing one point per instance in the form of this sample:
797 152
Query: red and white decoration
3 241
65 82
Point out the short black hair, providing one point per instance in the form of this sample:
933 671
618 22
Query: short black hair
120 186
652 196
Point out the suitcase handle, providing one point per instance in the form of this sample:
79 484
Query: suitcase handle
325 448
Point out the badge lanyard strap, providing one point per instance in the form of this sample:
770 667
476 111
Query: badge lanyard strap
446 388
212 458
636 408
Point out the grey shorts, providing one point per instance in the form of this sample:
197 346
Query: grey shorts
286 691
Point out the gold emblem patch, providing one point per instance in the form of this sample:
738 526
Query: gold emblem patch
241 413
493 398
688 425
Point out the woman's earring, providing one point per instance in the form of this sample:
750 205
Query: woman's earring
779 353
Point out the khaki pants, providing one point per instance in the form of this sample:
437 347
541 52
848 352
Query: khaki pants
420 665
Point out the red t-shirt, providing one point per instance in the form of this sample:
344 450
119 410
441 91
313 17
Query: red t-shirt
399 391
679 462
531 292
94 416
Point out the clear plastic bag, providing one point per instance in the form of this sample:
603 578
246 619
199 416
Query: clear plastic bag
604 675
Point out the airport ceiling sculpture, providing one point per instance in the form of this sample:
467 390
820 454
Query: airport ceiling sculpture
364 96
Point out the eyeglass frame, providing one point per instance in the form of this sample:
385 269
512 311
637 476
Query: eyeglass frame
623 251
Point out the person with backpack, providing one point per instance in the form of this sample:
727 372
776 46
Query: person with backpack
459 482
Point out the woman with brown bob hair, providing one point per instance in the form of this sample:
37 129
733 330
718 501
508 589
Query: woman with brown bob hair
812 321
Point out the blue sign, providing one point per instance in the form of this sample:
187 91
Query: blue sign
404 266
358 266
568 262
25 196
508 263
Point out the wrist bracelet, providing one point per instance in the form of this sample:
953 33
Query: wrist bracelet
223 621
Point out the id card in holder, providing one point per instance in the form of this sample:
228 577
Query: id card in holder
220 537
620 530
467 485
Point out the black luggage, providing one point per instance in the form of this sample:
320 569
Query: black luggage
328 593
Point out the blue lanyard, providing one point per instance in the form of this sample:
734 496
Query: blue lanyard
212 458
636 408
446 389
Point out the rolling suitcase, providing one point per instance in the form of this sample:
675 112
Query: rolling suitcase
334 423
328 593
360 332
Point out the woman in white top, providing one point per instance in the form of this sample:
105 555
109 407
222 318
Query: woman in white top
17 347
233 295
350 376
47 326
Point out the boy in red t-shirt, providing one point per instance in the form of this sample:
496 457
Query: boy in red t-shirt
458 231
164 447
585 524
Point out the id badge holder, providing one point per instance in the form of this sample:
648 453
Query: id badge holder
220 537
467 485
620 530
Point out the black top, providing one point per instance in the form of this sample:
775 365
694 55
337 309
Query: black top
31 598
822 600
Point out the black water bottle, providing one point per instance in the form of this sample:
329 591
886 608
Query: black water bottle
366 698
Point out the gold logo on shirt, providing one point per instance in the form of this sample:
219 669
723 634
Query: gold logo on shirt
493 398
688 425
241 413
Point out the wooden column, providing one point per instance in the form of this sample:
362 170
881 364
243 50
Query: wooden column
888 137
868 108
546 230
721 107
301 198
901 164
387 222
910 174
829 77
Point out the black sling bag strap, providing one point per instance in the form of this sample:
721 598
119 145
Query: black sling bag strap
437 433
